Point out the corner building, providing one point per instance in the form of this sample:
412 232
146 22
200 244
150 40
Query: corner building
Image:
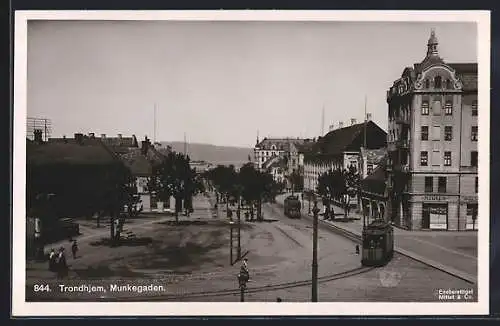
432 145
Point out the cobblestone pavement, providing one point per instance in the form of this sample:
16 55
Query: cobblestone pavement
279 252
454 250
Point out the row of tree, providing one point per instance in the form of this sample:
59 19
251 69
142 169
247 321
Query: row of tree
174 177
251 185
338 185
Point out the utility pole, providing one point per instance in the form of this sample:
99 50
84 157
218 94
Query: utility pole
154 125
185 144
323 121
239 228
315 253
366 120
231 243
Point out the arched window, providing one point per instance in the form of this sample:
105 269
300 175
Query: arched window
437 82
448 84
427 83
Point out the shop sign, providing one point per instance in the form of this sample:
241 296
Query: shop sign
469 199
434 198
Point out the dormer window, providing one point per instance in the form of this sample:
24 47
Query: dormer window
437 82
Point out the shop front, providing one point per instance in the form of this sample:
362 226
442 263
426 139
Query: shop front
471 212
435 216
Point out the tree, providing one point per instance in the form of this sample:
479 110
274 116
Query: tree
338 185
174 177
296 181
256 186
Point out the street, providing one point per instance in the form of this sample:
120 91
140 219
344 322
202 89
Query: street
192 261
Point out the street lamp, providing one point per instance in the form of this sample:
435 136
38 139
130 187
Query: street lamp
231 242
238 213
315 253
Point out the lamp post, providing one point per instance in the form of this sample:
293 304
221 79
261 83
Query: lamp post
315 253
238 213
231 242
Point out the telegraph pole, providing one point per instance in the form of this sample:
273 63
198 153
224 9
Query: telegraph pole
231 243
315 253
239 228
366 120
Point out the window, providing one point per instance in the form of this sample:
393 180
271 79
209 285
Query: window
436 108
448 133
436 133
473 158
442 184
424 131
473 134
448 108
448 84
424 158
369 168
436 158
474 108
437 82
428 184
427 83
425 108
476 185
447 158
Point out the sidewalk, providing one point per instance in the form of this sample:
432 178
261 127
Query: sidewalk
453 252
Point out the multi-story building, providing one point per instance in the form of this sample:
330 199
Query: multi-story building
271 147
432 144
339 149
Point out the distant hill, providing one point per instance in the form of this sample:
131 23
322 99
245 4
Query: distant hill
213 153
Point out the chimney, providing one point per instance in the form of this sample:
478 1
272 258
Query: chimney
353 121
79 138
103 136
37 133
119 136
368 116
91 135
341 124
64 139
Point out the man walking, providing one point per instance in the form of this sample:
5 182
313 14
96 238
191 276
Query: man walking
74 249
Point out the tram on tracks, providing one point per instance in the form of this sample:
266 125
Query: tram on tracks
378 243
292 207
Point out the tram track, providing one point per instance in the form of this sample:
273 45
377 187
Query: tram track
258 289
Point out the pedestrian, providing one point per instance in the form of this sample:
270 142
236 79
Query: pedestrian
357 249
62 266
52 260
74 249
244 269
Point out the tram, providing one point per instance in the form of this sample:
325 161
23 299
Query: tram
292 207
378 243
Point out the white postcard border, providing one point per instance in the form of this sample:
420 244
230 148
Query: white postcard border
22 308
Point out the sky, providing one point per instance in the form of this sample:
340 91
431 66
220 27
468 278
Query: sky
220 82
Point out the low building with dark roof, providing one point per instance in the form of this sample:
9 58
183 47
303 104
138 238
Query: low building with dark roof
80 171
340 149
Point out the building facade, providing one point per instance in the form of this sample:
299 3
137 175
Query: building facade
340 149
432 145
271 147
